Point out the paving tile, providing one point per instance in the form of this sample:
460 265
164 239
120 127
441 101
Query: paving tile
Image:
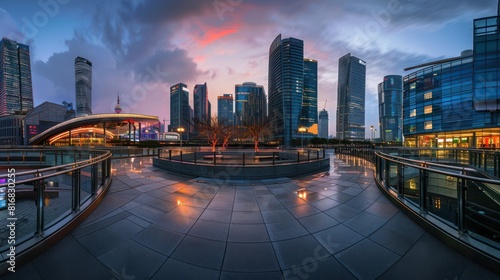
175 222
325 204
398 235
246 217
299 251
303 211
342 212
214 215
131 260
285 230
277 215
366 259
210 230
159 239
201 252
276 275
24 272
435 261
383 210
328 268
174 269
59 261
365 223
318 222
248 233
109 237
337 238
250 257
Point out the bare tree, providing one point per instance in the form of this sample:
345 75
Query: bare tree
210 128
256 130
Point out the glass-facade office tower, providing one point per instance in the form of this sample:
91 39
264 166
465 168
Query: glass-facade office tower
351 98
16 90
323 124
250 104
285 88
390 108
83 85
201 105
309 117
180 110
225 109
456 102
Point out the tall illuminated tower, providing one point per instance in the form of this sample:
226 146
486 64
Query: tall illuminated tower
83 85
351 98
16 90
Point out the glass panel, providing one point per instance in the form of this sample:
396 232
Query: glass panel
411 189
482 214
441 197
85 184
57 199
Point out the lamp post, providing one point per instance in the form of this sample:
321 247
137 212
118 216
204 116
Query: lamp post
302 130
371 127
180 130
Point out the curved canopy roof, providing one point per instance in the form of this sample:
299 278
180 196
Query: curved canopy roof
89 120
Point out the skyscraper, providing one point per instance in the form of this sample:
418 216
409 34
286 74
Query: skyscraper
351 98
309 117
179 109
285 87
200 102
323 124
251 104
16 90
225 108
83 85
390 100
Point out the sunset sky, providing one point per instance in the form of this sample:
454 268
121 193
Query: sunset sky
141 48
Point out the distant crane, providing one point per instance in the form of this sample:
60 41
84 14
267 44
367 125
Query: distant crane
324 107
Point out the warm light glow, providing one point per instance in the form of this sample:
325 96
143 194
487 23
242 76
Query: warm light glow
413 185
180 129
179 202
302 129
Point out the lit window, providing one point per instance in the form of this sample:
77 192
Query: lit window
413 113
428 109
413 85
428 95
428 125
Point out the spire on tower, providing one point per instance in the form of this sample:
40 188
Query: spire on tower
118 108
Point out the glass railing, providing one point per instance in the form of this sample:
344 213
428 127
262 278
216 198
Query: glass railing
241 157
457 190
41 190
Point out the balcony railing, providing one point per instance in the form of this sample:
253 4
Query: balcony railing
44 190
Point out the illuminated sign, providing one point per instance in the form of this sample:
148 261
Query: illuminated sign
32 130
362 62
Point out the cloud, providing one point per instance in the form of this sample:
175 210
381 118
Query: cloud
8 27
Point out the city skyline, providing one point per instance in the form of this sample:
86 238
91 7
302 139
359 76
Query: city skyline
141 50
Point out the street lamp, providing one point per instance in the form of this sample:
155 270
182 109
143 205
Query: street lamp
371 127
302 130
180 130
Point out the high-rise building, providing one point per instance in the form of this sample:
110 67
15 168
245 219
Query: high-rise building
351 98
309 117
83 85
390 100
179 109
200 102
285 88
16 90
323 124
250 104
225 109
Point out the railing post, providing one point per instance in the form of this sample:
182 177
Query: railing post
215 158
169 154
93 174
308 155
495 164
461 205
244 158
181 155
273 157
324 153
423 189
485 161
39 193
400 180
103 172
75 194
298 157
195 157
386 175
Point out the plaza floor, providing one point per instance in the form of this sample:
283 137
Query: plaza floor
331 225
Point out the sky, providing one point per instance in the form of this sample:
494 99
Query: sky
141 48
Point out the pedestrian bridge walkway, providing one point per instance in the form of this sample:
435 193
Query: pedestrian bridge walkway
331 225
